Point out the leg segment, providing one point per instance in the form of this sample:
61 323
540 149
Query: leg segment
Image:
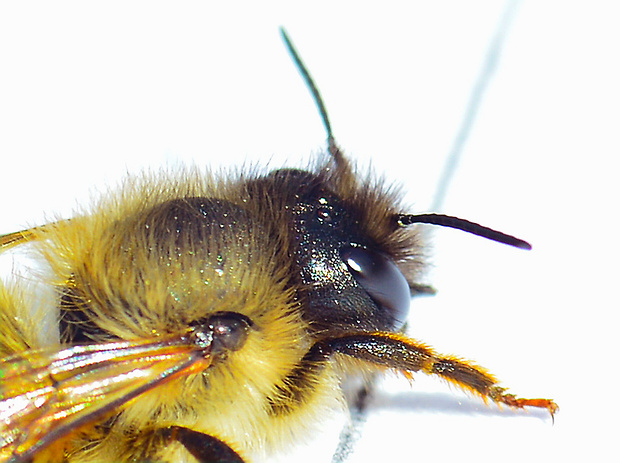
406 355
205 448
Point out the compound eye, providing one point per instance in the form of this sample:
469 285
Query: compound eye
382 280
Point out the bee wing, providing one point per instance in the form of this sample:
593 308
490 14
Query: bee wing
46 394
13 239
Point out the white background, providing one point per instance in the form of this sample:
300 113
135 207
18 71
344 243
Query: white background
88 93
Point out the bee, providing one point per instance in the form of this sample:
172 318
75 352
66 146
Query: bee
206 317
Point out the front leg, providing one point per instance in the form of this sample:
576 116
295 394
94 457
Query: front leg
406 355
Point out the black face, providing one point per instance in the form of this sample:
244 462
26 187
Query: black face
346 282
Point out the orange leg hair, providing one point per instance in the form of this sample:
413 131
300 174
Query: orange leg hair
397 352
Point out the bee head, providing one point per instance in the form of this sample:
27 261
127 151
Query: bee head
352 264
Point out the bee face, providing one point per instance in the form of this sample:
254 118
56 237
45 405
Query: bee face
345 263
313 264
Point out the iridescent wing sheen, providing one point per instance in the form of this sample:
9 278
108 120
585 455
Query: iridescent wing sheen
44 395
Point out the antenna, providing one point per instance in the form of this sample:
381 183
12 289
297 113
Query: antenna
464 225
334 150
402 220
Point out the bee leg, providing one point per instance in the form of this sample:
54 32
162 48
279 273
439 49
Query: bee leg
203 447
407 356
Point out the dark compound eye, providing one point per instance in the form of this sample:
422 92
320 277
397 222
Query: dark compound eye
382 280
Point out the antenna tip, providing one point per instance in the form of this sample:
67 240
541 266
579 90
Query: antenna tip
522 245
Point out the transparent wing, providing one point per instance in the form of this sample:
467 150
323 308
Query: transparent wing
46 394
17 238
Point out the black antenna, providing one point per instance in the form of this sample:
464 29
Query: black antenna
464 225
402 219
316 95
